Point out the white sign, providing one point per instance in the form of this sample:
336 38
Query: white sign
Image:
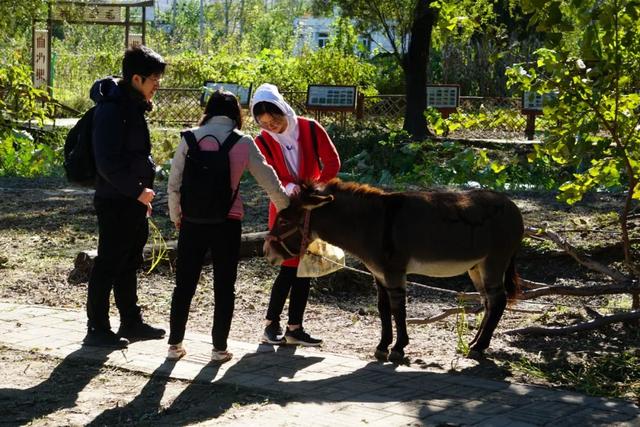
533 101
134 40
442 96
88 13
41 58
331 96
243 93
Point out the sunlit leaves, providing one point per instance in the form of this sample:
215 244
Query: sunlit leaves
593 68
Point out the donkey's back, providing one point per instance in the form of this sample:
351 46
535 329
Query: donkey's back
444 234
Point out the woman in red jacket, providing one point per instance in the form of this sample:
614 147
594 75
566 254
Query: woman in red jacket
299 149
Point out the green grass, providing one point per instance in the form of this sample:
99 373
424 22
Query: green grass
608 375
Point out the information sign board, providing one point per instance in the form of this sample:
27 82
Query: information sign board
40 58
325 97
87 13
533 102
242 92
443 96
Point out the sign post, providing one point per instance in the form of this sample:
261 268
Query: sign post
532 106
446 98
41 59
331 98
243 93
103 12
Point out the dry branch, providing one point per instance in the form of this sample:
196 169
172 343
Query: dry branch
586 326
628 286
539 233
592 312
530 284
445 313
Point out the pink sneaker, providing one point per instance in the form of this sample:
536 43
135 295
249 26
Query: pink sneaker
220 356
176 352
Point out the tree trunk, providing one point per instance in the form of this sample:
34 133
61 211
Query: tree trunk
227 6
414 64
241 23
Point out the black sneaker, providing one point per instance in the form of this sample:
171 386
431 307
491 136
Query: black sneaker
104 338
140 332
273 334
299 336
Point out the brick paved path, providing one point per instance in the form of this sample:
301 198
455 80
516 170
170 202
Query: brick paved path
325 389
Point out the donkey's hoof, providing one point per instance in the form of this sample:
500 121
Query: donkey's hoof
381 355
396 356
475 354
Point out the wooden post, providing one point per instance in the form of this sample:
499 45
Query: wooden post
126 28
360 106
144 25
531 126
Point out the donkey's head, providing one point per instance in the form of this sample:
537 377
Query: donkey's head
289 236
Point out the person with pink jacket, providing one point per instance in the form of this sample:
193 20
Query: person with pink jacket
220 125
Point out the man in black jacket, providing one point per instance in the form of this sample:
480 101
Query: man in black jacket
124 191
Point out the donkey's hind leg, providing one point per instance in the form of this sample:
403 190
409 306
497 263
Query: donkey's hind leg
489 281
384 311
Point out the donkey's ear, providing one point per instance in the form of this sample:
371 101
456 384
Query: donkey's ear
315 201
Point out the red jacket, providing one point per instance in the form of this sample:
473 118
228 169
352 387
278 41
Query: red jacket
309 167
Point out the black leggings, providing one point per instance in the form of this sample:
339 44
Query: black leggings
193 242
298 286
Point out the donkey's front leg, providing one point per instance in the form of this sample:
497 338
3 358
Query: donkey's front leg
384 311
396 288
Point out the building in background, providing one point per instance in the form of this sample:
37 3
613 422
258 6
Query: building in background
315 33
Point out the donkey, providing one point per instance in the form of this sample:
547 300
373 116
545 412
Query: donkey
435 233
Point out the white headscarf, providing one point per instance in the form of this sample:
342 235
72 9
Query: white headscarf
288 139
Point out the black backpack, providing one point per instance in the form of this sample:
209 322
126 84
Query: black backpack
206 196
79 162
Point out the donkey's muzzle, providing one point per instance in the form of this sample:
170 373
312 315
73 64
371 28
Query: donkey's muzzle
270 254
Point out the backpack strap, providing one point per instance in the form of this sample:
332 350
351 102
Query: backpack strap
314 140
230 141
226 147
190 138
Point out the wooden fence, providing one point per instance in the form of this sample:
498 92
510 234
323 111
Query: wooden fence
181 107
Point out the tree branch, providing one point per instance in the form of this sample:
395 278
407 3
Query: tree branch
388 32
453 311
586 326
628 286
574 253
445 313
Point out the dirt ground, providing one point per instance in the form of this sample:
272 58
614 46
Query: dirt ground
44 224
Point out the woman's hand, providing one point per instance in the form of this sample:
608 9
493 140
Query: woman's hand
292 189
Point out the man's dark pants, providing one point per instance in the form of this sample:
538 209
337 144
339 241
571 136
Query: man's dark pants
123 230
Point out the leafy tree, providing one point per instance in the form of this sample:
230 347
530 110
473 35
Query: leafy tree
16 16
591 64
409 26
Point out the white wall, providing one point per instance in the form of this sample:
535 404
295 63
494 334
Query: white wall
313 32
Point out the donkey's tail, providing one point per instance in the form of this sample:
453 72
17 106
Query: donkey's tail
512 282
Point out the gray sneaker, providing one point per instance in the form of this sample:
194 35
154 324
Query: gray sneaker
273 334
300 337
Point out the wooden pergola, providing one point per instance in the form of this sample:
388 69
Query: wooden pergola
90 12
